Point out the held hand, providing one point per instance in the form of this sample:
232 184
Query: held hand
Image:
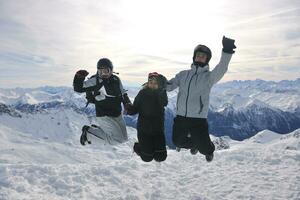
126 99
127 109
228 45
82 73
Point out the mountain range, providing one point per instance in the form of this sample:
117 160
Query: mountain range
238 109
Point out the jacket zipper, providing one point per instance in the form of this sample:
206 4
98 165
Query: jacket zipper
186 103
201 105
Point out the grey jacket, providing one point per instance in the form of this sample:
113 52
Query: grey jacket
194 87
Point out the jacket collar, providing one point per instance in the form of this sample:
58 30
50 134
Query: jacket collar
199 69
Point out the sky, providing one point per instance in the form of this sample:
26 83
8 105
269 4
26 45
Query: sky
45 42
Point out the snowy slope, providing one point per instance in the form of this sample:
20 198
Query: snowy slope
265 136
45 161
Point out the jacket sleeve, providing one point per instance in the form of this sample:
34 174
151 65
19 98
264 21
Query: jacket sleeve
79 85
123 91
124 96
134 109
218 72
173 83
162 98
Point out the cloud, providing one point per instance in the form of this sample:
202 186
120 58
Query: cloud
250 21
51 40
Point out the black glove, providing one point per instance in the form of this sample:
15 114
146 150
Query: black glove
127 104
90 97
125 99
128 109
228 45
82 73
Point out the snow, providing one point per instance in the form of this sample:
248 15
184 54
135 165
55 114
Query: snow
265 136
41 159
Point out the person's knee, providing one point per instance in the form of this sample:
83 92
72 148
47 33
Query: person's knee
160 156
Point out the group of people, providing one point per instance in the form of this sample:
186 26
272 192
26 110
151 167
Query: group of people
190 129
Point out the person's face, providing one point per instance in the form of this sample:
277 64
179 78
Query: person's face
104 72
201 57
152 84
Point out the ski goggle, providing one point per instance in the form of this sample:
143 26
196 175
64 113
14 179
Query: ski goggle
104 72
200 54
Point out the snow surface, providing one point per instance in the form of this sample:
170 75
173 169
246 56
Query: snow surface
265 136
41 158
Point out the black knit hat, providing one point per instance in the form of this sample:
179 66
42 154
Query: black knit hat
105 62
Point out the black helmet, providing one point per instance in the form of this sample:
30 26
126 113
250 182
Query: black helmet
105 62
204 49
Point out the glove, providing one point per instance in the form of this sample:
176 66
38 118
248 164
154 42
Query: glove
228 45
128 109
126 99
82 73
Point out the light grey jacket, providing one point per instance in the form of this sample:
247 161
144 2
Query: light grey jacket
194 87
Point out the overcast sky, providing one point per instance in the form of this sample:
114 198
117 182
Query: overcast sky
45 42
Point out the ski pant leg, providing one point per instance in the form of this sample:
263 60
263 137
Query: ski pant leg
146 145
123 133
96 133
110 129
200 137
160 150
180 133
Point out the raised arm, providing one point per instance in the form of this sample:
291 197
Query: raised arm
79 85
218 72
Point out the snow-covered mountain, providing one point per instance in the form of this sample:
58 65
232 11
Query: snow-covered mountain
41 158
238 109
283 95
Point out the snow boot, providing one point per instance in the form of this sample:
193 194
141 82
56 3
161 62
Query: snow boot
194 151
137 148
83 137
209 157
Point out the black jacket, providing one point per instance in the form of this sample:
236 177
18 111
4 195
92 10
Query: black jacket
108 93
149 104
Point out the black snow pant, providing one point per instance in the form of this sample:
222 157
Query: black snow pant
152 146
192 133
